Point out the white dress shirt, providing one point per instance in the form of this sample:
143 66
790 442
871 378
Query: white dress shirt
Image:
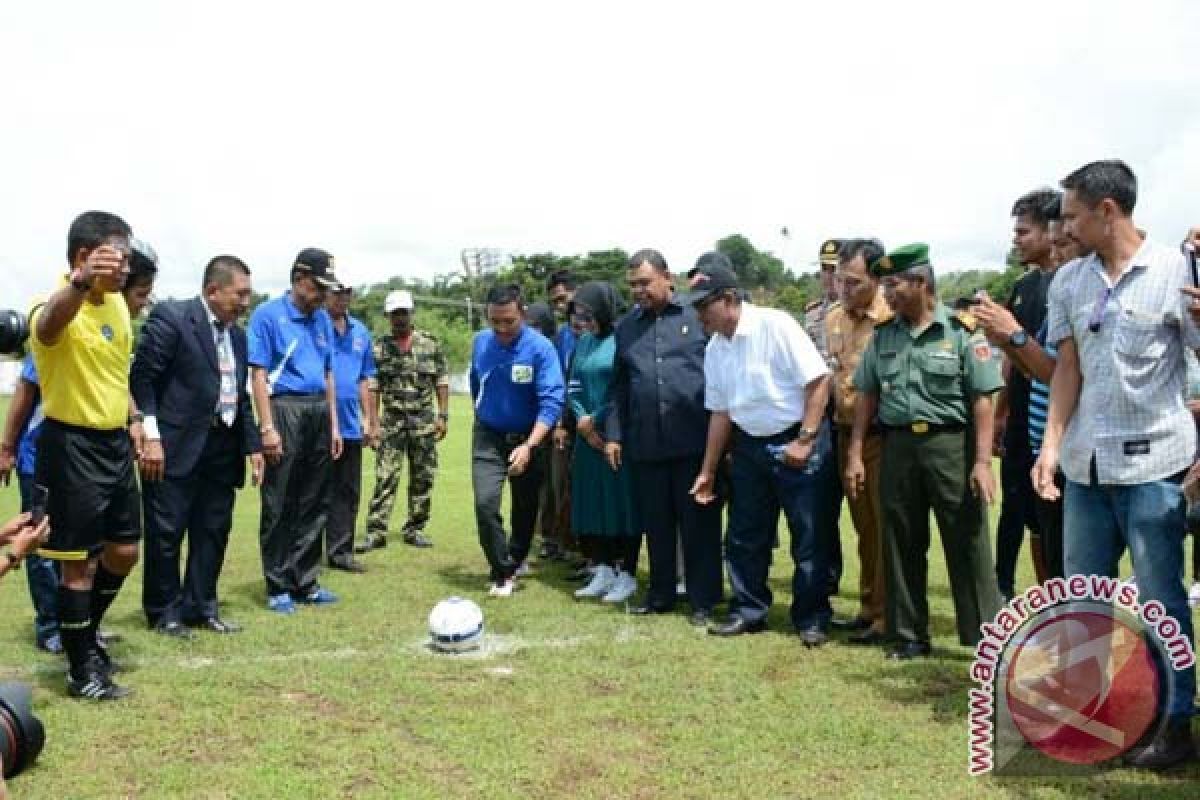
759 375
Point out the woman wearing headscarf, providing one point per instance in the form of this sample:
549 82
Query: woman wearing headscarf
602 508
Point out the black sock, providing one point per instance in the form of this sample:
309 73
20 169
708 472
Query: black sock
104 591
75 627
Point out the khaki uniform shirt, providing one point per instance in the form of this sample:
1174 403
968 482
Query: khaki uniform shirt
847 340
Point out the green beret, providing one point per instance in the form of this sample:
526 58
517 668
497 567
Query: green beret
901 260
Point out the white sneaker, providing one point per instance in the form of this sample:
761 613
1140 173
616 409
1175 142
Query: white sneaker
504 589
622 588
523 571
1194 595
601 582
681 588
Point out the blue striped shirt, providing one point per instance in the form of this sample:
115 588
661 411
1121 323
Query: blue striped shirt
1039 399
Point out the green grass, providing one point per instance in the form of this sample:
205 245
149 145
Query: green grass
574 700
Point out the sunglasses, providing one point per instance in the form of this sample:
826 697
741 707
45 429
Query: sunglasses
1097 319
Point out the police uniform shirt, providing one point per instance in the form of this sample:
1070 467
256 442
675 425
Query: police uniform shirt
518 384
931 375
847 339
353 361
295 349
759 375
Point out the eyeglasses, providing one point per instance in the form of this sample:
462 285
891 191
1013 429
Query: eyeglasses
1097 318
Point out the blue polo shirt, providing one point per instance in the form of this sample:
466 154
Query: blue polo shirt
564 343
518 384
353 362
295 349
27 447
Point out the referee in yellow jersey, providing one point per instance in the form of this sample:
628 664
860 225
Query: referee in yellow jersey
82 341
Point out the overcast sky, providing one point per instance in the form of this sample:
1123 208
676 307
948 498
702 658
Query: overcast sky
396 134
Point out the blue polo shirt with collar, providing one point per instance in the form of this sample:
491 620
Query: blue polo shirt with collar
353 362
295 349
516 385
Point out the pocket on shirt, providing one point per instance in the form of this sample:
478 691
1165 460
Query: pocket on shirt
940 371
1139 338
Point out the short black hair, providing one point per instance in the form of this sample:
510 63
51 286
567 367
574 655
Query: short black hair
503 294
651 257
871 251
563 277
221 268
1109 179
142 270
1041 206
90 229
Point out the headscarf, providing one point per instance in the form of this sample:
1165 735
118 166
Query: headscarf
541 318
602 300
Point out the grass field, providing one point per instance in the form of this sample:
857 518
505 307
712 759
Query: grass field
569 700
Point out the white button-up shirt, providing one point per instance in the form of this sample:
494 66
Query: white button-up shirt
1131 413
759 375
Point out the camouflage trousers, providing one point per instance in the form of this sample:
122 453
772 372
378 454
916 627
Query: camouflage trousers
421 451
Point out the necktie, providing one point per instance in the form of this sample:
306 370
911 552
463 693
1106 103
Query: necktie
227 400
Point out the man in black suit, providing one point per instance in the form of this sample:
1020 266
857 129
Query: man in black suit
189 379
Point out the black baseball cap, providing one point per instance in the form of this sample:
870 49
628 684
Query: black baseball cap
712 275
319 265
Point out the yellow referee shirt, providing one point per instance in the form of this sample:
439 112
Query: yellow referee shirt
84 376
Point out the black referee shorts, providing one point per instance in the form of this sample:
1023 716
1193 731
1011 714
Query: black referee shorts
93 492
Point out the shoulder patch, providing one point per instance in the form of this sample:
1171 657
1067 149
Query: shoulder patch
966 319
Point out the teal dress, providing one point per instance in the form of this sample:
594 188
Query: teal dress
601 500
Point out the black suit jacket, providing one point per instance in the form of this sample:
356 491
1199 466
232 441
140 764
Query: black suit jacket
176 379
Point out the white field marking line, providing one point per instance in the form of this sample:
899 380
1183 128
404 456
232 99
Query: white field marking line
494 644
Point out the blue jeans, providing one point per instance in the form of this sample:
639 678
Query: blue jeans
761 487
1150 519
42 574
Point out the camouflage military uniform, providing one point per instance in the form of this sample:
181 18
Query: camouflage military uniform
407 384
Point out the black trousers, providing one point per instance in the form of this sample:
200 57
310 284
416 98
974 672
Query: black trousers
346 488
200 506
833 509
295 496
489 470
1017 508
667 511
1050 521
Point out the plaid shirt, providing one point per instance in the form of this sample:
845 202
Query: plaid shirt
1130 337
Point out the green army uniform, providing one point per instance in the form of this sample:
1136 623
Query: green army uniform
925 382
407 385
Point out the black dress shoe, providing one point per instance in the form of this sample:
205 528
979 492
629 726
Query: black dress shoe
813 637
348 565
1172 746
852 624
173 628
646 609
870 636
906 651
736 626
701 618
218 625
417 539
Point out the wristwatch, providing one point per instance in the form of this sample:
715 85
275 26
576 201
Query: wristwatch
79 284
1018 338
806 434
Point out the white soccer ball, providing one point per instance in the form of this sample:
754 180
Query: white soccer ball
456 625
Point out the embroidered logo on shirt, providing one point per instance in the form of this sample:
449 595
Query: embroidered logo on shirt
982 351
522 373
107 332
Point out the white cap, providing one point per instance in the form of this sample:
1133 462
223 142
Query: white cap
398 300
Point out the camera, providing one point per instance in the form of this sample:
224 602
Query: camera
14 330
21 733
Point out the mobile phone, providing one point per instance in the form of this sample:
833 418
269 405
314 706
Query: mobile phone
1189 252
37 512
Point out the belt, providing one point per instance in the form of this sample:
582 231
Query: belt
784 436
922 428
507 438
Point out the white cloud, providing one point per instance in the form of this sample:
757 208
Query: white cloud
397 134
